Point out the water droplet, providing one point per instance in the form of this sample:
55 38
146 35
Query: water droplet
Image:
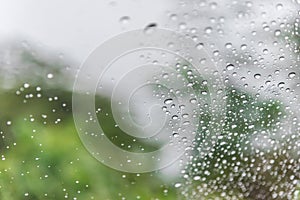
277 32
185 115
193 30
150 28
26 85
193 100
243 47
177 185
208 30
213 5
228 45
266 28
204 92
50 76
257 76
175 135
124 20
173 17
249 4
281 84
230 67
199 45
265 51
279 6
292 74
174 117
216 53
168 101
165 75
182 26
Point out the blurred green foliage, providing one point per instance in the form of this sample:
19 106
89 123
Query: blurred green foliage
45 160
42 156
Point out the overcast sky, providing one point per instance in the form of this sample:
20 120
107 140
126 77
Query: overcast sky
74 27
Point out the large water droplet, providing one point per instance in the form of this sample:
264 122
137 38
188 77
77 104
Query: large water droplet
292 74
168 101
230 67
257 76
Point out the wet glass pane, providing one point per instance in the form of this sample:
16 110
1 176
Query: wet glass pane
175 99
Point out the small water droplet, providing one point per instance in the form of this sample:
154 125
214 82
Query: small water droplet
150 28
249 4
279 6
124 20
165 75
185 115
204 92
266 28
265 51
213 5
50 76
26 85
216 53
177 185
208 30
175 135
199 45
182 26
281 84
228 45
164 108
173 17
277 32
174 117
193 100
243 47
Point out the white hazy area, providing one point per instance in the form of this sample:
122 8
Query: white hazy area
75 27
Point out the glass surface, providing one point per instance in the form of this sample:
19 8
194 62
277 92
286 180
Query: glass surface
175 99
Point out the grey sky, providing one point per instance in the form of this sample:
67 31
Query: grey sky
74 27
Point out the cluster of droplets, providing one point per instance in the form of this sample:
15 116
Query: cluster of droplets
256 47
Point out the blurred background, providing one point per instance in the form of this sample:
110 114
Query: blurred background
255 47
